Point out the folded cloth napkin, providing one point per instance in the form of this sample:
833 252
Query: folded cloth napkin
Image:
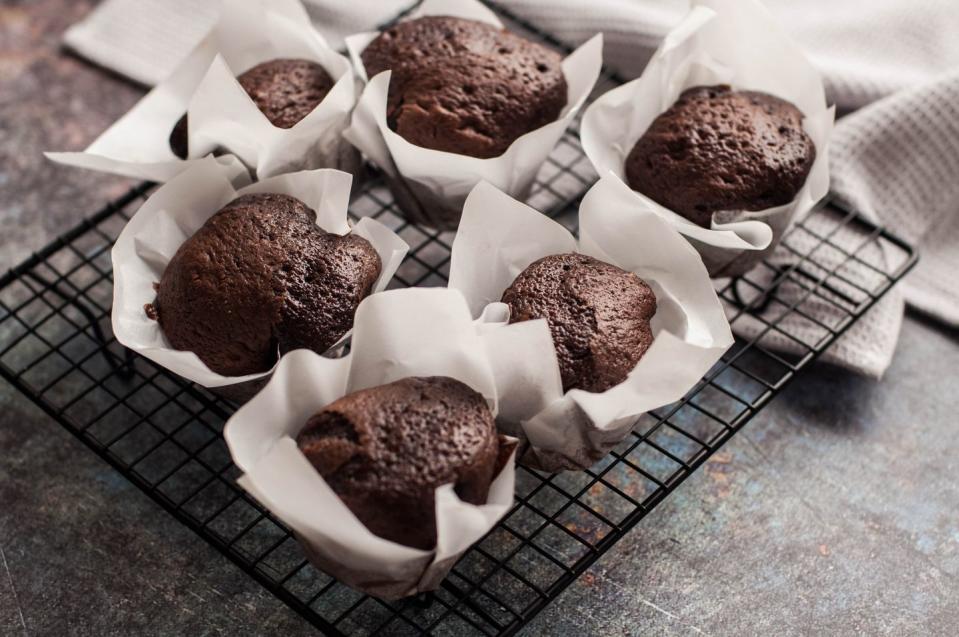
896 160
146 39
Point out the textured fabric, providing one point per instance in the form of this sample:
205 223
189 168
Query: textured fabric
865 49
135 37
145 40
897 159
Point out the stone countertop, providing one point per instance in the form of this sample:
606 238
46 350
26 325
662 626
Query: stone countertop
834 511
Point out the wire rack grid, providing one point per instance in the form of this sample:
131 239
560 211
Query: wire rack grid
164 434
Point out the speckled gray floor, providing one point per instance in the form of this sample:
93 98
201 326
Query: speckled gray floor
835 511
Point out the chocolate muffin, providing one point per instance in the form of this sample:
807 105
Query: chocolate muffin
259 278
598 315
719 149
285 90
464 86
386 449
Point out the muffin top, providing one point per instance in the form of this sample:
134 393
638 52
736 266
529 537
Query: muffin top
386 449
260 277
598 315
464 86
285 90
720 149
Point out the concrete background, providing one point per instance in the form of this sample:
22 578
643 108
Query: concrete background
836 511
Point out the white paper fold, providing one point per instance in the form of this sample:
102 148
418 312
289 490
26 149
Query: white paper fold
431 185
735 42
221 114
177 210
499 237
397 334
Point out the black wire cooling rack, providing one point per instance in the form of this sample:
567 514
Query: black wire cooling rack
164 435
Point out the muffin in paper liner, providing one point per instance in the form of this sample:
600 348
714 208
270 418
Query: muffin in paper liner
499 237
221 114
430 185
398 334
175 212
734 42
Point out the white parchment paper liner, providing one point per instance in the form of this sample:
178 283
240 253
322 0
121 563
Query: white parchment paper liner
734 42
221 114
397 334
176 211
499 237
430 185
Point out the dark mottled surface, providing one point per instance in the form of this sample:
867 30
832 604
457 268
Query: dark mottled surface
833 512
49 101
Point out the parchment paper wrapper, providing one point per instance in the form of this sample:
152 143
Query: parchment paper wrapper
499 237
430 185
221 114
391 340
735 42
175 212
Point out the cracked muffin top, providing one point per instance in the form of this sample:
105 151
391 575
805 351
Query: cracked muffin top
385 450
598 316
464 86
261 278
